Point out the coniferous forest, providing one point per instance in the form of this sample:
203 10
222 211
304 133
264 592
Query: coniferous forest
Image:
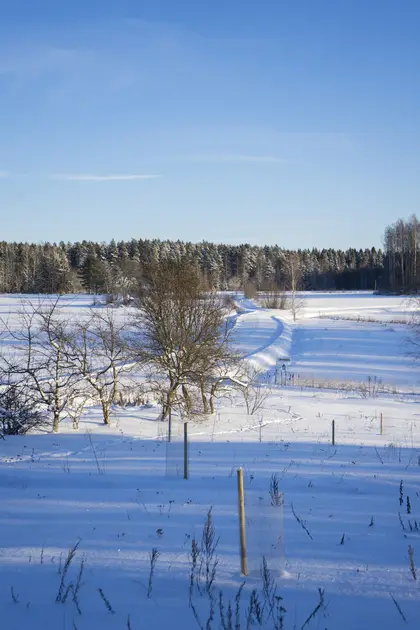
118 266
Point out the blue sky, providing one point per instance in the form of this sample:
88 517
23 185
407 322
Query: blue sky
291 122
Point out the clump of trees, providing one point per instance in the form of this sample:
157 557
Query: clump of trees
402 261
41 363
176 333
57 365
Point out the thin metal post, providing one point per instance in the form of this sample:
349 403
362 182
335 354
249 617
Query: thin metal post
186 450
333 433
242 526
382 424
170 425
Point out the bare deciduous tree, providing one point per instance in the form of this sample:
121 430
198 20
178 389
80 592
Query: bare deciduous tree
77 405
293 271
216 369
99 352
181 335
253 389
401 242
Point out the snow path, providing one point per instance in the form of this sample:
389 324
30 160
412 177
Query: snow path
262 337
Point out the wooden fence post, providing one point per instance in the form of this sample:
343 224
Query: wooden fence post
186 450
382 424
242 527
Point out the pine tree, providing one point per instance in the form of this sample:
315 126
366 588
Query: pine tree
94 274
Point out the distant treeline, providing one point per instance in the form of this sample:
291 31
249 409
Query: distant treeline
118 266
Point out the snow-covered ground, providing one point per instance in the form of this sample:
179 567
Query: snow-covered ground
324 344
350 510
363 303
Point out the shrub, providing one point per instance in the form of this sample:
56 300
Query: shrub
17 414
250 290
229 303
276 299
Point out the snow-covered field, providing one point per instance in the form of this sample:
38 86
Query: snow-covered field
351 511
328 343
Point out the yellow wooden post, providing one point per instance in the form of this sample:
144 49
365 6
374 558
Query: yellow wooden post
242 527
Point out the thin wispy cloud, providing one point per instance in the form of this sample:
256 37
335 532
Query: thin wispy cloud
4 174
103 178
236 159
